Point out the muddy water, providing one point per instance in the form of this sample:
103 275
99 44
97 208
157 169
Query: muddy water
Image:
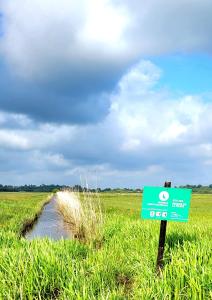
50 224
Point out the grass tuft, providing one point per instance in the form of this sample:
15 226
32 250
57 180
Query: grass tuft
83 215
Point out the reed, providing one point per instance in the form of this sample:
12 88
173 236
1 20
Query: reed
81 212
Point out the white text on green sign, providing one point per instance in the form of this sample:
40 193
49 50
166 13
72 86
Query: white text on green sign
160 203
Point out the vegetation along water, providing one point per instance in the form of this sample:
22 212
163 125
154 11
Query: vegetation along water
119 263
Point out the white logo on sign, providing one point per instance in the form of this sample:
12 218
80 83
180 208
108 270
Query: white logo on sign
152 213
164 196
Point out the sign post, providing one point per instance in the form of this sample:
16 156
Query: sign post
162 238
165 204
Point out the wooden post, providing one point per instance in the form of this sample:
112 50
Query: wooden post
162 239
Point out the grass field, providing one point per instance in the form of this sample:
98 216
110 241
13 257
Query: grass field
120 264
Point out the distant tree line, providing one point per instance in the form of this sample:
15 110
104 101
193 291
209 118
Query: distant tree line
53 188
201 189
31 188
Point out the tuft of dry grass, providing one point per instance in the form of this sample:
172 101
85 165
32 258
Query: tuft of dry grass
81 212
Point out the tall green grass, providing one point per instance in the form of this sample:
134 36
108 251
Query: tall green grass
119 264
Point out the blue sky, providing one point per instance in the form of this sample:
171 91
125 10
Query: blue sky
102 91
186 73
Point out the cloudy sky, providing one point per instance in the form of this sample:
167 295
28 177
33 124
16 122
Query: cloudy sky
118 92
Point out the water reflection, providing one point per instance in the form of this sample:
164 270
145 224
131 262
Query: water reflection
50 224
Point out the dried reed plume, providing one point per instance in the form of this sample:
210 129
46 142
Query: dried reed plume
81 212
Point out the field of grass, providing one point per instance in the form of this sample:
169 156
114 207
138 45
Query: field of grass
120 264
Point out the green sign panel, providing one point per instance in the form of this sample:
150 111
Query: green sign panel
160 203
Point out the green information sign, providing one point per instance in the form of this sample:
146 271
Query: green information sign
159 203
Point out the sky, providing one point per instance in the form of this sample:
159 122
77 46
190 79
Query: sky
115 93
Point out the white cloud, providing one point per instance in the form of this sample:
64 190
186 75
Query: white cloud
40 36
163 26
149 134
43 37
151 117
104 25
9 139
14 120
59 45
43 161
138 80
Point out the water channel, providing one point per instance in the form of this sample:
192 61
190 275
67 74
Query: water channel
49 224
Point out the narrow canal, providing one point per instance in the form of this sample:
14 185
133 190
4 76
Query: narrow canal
50 224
